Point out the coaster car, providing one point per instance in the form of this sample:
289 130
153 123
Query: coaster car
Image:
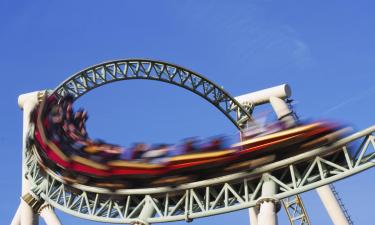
63 146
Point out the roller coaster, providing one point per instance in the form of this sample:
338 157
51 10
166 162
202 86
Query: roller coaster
318 155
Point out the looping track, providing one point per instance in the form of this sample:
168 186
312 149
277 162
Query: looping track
98 75
293 175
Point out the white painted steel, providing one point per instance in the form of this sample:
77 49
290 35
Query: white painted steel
341 203
28 217
282 111
147 212
236 176
263 96
267 214
197 199
26 102
130 69
17 217
332 205
224 194
202 198
49 216
268 209
284 114
253 216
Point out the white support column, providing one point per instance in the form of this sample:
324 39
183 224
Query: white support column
282 111
275 96
48 214
253 216
26 102
28 217
332 206
268 204
17 217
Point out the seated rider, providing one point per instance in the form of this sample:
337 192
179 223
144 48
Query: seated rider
79 121
190 146
157 152
138 150
260 126
215 144
102 152
55 118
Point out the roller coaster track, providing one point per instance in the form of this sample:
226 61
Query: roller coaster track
98 75
293 175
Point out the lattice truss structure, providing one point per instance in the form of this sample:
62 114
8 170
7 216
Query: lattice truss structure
293 175
295 210
96 76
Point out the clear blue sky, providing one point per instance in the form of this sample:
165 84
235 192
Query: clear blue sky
325 50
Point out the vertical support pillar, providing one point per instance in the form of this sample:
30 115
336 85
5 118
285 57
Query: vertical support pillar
48 214
17 217
267 204
253 213
29 200
28 217
268 207
332 205
26 102
253 216
282 111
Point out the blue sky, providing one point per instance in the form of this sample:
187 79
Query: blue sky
324 49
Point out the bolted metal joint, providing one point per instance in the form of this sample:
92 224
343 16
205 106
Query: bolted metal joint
268 199
34 202
188 219
138 222
44 206
41 95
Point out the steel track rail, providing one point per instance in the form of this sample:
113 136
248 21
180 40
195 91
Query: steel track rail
145 69
293 175
101 74
98 75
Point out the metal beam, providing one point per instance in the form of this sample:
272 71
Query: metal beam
213 196
253 216
48 214
17 217
130 69
332 205
268 203
263 96
26 102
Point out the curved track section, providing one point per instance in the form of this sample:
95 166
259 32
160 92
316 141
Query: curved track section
293 175
93 77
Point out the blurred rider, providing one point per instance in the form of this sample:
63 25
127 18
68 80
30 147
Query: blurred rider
157 153
138 150
190 146
215 144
